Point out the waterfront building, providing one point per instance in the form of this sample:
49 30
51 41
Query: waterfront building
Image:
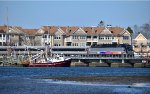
72 41
141 45
3 38
86 36
64 36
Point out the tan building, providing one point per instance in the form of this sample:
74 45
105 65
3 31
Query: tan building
3 38
66 36
141 45
86 36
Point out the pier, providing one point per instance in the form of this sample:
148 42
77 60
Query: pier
81 56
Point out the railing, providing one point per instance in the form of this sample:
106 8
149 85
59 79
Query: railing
118 58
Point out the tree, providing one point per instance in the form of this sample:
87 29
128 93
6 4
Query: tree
130 30
136 29
101 23
37 41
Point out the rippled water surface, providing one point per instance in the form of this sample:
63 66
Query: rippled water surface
18 80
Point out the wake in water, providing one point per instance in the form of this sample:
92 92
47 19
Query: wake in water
93 83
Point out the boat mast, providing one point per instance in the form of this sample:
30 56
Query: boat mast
7 26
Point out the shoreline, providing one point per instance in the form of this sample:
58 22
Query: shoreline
102 79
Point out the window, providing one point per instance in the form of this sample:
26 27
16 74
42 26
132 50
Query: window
75 37
57 37
74 44
82 37
94 37
44 36
88 44
88 37
82 44
101 37
57 44
136 46
68 43
48 36
94 43
125 37
4 37
108 38
0 36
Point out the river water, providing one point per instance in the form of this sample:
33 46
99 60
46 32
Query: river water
19 80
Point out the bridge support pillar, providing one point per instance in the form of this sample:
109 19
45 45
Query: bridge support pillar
122 60
100 61
79 61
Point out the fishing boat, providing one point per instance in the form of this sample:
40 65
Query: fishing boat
52 62
55 61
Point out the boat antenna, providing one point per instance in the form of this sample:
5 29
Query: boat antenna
7 26
7 18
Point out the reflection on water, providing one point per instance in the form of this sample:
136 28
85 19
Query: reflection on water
20 81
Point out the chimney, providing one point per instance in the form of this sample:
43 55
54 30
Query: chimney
109 25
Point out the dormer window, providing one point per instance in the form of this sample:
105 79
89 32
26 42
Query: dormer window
69 31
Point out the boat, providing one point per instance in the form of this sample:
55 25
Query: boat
37 61
52 62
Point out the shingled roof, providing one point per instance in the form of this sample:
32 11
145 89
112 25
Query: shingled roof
3 29
68 30
98 30
89 30
50 29
116 30
30 31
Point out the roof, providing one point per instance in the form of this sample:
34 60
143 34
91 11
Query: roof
3 29
30 31
49 29
71 30
144 34
115 30
121 49
98 30
68 30
89 30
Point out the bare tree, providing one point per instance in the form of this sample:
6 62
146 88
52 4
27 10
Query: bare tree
144 29
37 40
14 40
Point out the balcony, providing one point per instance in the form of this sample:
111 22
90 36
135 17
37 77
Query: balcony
69 39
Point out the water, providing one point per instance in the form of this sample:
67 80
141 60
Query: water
19 80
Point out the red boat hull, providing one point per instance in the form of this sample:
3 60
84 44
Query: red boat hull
65 63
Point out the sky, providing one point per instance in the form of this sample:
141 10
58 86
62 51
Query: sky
35 14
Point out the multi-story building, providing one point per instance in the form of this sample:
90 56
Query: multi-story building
3 38
141 45
64 36
75 42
